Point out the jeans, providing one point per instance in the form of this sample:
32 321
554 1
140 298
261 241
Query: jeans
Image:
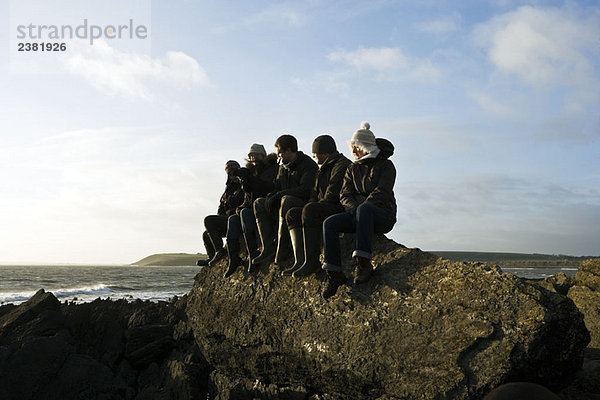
216 226
240 224
367 221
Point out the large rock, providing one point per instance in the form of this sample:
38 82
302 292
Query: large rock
422 328
586 295
99 350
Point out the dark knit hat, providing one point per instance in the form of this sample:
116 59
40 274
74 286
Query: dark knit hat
324 144
231 165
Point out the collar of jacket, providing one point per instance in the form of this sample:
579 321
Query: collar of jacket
292 164
332 158
370 156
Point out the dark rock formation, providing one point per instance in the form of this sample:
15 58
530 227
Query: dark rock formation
586 295
99 350
422 328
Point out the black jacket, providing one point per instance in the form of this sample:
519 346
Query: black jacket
329 180
260 179
232 198
297 178
370 180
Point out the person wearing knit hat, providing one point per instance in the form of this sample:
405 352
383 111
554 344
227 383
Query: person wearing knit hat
257 181
367 196
257 150
216 225
363 140
305 223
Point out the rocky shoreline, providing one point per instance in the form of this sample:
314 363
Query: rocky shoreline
422 328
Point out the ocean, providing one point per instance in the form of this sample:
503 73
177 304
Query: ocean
86 283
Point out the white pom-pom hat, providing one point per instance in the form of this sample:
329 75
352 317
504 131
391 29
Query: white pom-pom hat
364 138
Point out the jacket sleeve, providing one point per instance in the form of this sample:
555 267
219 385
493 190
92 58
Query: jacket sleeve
348 193
332 194
307 173
383 194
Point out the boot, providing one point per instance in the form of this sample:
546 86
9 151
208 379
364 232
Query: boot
298 246
335 279
250 239
265 229
312 251
219 255
363 270
202 263
283 243
233 250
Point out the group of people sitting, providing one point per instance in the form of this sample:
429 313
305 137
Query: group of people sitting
288 209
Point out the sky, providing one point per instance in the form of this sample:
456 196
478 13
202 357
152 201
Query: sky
114 149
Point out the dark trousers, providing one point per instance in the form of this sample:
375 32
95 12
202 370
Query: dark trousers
216 229
367 221
264 216
241 223
311 215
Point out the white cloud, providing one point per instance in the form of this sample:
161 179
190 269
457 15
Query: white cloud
542 45
440 26
131 75
388 63
491 105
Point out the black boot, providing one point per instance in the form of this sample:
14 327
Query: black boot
251 248
363 270
298 246
202 263
265 229
283 243
219 255
312 251
233 250
335 279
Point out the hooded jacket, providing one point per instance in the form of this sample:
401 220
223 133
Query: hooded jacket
329 180
369 180
296 178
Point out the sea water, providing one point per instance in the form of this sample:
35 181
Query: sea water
86 283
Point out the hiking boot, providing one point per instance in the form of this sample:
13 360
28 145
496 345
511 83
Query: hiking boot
335 279
363 270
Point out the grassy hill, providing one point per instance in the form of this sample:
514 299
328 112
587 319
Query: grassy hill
171 259
513 259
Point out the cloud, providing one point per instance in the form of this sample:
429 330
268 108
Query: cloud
387 63
131 75
494 212
542 45
278 14
491 105
440 26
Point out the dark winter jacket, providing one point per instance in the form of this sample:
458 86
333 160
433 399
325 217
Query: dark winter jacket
330 176
297 178
232 198
370 180
259 180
